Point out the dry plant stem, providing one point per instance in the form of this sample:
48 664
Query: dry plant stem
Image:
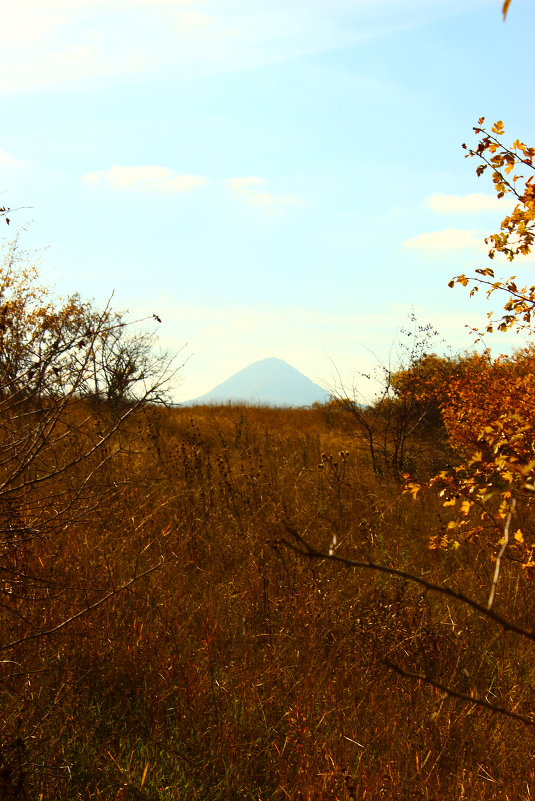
462 696
500 555
305 549
308 550
83 611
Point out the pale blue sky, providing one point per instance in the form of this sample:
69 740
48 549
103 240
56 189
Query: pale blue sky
272 178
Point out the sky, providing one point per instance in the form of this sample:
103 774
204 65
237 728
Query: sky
270 177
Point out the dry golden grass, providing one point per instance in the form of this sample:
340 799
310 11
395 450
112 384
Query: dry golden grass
238 669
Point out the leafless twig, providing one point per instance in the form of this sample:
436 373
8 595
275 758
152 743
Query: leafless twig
505 543
83 611
528 721
304 548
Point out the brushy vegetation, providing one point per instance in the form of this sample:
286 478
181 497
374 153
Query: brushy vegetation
179 618
237 668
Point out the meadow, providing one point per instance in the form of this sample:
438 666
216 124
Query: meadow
161 638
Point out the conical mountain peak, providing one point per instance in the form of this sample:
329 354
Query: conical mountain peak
267 382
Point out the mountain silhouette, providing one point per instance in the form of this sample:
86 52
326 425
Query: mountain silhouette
268 382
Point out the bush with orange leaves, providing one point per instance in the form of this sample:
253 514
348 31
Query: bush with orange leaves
488 407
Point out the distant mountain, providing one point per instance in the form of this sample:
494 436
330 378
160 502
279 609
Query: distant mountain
270 382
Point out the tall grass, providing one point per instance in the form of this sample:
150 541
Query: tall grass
237 669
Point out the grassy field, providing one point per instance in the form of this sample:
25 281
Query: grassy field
210 661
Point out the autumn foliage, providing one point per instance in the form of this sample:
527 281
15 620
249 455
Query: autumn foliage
487 404
160 638
517 231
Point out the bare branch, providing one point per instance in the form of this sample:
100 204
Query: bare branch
500 555
528 721
83 611
305 549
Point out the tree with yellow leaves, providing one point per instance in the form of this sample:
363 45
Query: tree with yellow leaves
489 412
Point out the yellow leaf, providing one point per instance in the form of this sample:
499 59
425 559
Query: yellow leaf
519 537
144 775
477 457
505 8
465 507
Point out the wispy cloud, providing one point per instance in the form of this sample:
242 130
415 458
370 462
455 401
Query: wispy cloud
145 178
78 40
449 239
463 204
9 161
119 37
252 189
